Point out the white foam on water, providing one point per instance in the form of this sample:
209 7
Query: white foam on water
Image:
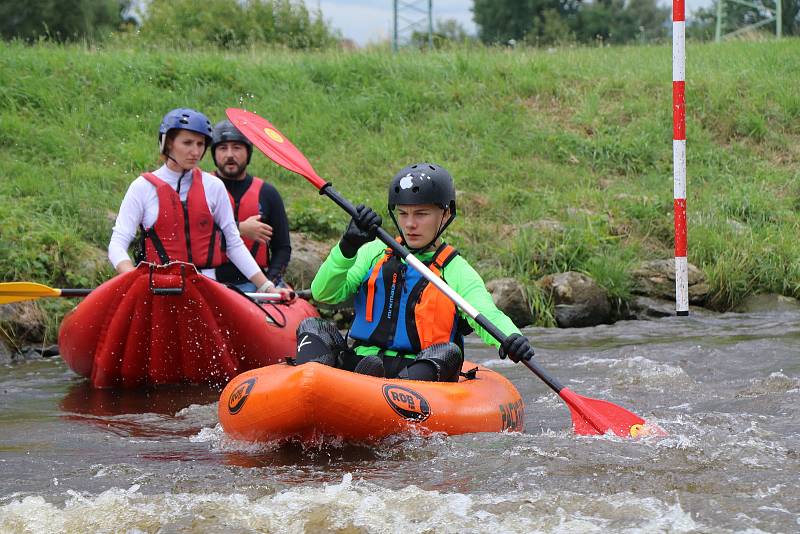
680 407
199 411
497 362
218 441
209 435
548 400
645 368
205 435
763 493
776 383
660 517
760 439
346 506
101 470
752 462
31 514
672 441
774 509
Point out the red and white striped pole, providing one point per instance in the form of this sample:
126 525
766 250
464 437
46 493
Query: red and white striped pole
679 155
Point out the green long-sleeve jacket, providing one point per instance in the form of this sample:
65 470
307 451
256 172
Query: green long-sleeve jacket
339 279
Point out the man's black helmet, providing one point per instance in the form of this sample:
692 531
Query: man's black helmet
226 132
423 183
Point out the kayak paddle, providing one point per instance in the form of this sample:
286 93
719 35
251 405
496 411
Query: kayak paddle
19 291
589 416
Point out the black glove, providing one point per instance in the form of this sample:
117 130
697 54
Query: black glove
517 348
361 229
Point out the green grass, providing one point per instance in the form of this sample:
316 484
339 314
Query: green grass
582 136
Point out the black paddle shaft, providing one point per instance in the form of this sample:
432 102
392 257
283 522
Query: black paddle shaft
75 292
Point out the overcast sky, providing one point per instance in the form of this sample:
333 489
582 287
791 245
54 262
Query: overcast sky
371 20
366 21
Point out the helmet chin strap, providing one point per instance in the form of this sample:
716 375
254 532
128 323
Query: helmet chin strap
180 180
178 164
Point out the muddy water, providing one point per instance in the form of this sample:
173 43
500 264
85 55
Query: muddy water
726 388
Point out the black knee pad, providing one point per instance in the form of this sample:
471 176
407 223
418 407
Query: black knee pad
324 330
370 365
425 370
318 341
446 358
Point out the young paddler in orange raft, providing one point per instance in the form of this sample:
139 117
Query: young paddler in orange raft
404 327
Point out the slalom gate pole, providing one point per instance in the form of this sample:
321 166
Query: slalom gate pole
679 155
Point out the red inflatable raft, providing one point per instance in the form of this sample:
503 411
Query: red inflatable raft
170 324
313 403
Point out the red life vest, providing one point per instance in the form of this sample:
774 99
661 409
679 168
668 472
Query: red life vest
183 231
247 207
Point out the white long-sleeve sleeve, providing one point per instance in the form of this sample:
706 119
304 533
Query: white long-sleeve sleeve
140 208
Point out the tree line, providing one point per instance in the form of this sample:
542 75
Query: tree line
243 23
182 23
549 22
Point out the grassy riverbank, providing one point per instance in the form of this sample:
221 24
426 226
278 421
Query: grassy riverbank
578 136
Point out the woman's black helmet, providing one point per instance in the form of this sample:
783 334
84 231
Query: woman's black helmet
226 132
423 183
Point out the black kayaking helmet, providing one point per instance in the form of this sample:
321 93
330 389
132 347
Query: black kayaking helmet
226 132
423 183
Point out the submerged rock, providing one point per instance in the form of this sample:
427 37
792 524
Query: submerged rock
768 302
6 356
509 296
656 279
22 322
578 299
649 308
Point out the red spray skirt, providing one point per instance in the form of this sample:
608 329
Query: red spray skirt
170 324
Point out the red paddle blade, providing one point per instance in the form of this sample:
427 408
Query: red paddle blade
596 417
273 144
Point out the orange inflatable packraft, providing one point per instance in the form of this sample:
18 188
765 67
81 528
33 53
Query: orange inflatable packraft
313 403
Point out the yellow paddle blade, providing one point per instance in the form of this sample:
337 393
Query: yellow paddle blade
19 291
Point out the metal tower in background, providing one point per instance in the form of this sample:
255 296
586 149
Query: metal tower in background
412 16
773 15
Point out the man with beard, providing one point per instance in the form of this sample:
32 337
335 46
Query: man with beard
257 208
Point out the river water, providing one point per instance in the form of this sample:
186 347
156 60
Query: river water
725 387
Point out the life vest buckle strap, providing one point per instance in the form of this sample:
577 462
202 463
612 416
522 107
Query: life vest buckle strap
150 233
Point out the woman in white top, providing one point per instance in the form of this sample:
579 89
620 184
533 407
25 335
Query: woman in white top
168 207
